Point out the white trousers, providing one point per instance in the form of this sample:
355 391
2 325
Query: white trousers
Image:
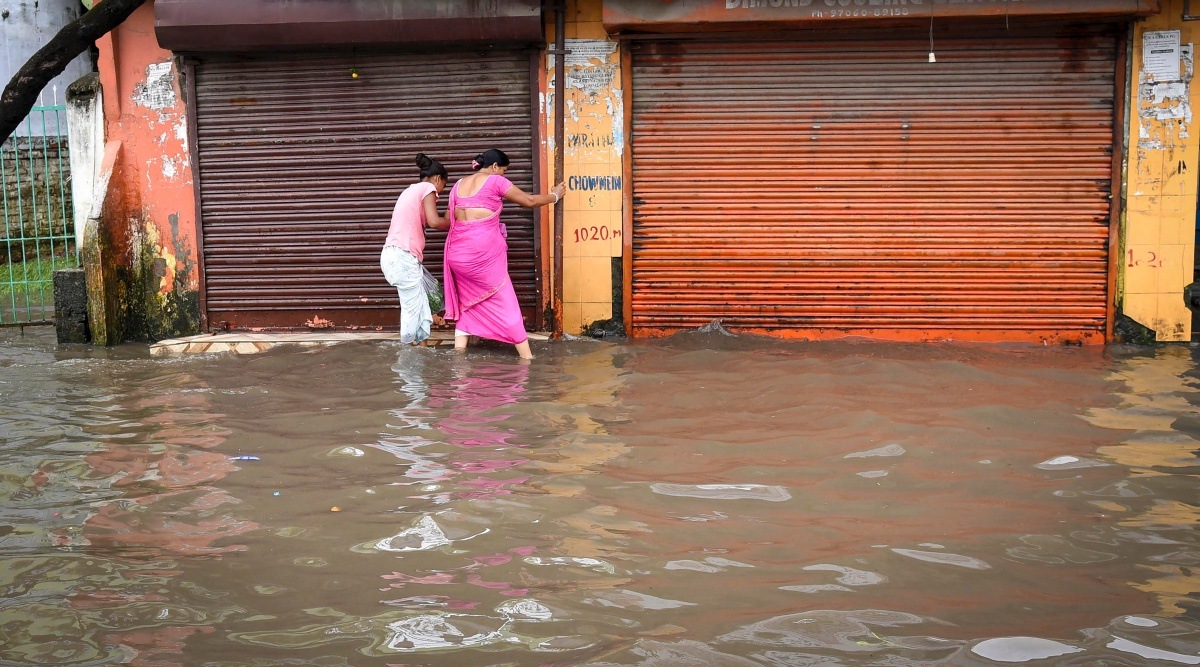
403 271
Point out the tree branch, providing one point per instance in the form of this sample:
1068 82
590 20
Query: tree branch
22 91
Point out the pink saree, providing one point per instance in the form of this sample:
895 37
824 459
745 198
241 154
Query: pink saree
479 295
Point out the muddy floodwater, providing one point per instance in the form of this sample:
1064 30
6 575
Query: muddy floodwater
701 500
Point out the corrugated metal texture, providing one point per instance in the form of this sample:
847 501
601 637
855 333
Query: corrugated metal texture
676 16
301 164
845 185
237 25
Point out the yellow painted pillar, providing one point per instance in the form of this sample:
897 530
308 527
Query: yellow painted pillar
1159 235
594 144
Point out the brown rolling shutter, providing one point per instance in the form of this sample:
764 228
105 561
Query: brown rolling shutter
844 185
300 164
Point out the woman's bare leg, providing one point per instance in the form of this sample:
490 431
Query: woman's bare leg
523 350
460 342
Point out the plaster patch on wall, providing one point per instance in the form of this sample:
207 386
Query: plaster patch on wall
169 170
158 91
1169 92
616 113
181 135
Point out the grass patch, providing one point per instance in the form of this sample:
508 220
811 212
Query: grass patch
27 287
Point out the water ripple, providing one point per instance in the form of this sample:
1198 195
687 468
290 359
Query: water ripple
774 494
944 558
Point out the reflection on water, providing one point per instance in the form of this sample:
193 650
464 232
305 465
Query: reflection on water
709 500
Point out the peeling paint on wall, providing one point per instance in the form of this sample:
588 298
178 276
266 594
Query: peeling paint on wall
181 136
1164 108
162 300
591 65
155 265
1157 241
158 91
592 87
616 113
595 143
169 171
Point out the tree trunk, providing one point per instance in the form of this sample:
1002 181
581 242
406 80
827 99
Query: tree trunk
22 91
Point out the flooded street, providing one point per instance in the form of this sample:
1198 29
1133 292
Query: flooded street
701 500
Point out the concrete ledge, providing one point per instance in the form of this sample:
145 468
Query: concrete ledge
70 306
253 343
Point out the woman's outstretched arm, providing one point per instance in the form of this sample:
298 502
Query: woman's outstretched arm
520 197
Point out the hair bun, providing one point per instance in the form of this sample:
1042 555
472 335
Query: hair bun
492 156
423 161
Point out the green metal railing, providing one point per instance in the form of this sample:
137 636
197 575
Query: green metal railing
38 236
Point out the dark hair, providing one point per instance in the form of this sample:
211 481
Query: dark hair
430 167
492 156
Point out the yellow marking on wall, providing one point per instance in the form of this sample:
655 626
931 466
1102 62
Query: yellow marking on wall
1158 245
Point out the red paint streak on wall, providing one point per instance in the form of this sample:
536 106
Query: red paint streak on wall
144 109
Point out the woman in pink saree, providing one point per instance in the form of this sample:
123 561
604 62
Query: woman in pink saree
480 298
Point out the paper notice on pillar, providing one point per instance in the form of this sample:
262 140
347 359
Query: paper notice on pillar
1160 55
591 65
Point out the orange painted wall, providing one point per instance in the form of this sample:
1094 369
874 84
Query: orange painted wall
155 224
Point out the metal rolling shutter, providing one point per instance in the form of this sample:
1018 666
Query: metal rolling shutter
846 186
300 165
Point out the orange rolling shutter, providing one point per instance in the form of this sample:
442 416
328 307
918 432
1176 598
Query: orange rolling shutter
836 184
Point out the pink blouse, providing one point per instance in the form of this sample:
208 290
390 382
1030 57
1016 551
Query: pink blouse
490 195
407 230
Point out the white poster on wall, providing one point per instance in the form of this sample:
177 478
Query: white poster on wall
1160 55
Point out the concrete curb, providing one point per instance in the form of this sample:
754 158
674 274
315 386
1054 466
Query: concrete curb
253 342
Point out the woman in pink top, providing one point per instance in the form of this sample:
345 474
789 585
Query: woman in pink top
402 252
479 294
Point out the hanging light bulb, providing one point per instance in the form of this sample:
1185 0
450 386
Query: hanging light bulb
932 56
